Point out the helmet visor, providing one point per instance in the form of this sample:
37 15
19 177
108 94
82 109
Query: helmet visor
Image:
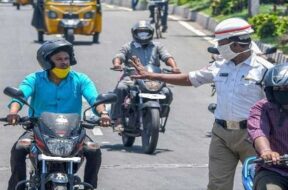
143 35
281 97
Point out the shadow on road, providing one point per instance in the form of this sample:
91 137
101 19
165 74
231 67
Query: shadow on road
133 149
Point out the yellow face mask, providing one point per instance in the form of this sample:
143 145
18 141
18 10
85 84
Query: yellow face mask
60 73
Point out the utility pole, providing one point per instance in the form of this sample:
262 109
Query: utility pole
253 7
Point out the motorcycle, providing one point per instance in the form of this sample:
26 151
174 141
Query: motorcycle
143 113
56 153
249 168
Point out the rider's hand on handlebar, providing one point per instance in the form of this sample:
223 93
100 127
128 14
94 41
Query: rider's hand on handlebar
13 119
176 70
117 67
271 155
105 120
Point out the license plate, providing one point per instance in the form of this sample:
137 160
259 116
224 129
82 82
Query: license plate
152 96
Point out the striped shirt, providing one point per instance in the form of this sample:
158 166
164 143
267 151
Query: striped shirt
267 120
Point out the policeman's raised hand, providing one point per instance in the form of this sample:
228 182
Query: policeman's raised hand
176 70
271 155
105 120
13 119
141 70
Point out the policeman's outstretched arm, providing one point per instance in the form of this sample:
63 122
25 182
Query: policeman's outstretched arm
177 79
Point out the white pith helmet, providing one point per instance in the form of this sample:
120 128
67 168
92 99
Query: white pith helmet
232 27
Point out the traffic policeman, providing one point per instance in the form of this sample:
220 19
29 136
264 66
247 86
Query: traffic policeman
238 77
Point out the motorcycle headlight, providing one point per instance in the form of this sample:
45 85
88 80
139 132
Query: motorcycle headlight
88 15
52 14
152 85
60 147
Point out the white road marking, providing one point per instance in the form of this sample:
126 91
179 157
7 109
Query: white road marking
105 142
118 7
155 166
90 115
178 19
97 131
192 29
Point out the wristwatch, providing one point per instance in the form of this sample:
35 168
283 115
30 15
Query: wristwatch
104 112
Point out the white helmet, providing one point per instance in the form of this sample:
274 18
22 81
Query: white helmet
232 27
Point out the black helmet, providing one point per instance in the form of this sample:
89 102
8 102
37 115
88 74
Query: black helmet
142 32
52 47
275 77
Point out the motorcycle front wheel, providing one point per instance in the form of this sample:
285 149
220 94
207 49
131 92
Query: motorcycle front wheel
150 133
69 35
127 141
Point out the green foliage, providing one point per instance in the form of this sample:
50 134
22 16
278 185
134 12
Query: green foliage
226 7
197 5
269 25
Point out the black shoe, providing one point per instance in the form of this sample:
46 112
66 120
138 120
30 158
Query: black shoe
164 29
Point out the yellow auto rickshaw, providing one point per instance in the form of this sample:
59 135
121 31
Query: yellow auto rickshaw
68 17
19 3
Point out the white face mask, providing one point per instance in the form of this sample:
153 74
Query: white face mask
143 35
226 52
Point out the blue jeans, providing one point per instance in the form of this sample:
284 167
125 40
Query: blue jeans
165 12
134 4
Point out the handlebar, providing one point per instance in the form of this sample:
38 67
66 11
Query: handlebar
167 71
113 69
125 69
283 160
3 119
25 121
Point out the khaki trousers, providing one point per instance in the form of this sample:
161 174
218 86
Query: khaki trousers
227 147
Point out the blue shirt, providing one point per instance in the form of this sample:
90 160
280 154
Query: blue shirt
66 97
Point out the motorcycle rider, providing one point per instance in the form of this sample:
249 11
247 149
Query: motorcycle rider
238 80
164 5
267 126
57 89
150 52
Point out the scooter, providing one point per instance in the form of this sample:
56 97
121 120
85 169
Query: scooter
249 169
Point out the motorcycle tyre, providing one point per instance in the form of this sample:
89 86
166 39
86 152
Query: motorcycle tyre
150 133
69 35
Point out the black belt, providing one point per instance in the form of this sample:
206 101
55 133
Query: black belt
223 123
